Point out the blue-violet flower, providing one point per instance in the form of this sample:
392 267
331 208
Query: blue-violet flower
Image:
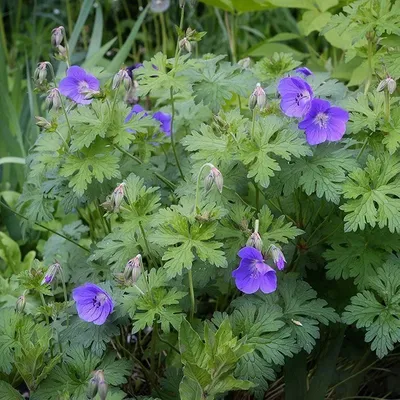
92 303
304 71
253 274
324 123
296 95
77 84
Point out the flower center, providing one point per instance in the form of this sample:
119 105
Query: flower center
321 120
83 87
301 96
99 300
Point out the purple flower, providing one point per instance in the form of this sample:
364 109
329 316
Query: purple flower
165 121
77 84
296 96
133 67
304 71
277 256
324 122
92 303
136 109
253 274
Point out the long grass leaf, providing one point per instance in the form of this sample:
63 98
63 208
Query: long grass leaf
97 34
123 53
12 160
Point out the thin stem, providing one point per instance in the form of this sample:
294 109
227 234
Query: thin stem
153 348
321 224
231 38
370 70
253 122
280 210
146 243
45 306
387 105
64 291
45 227
363 147
191 291
62 138
177 49
69 17
172 133
168 343
257 197
164 34
66 115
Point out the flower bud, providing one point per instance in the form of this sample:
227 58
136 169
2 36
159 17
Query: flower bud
53 99
43 123
255 241
159 6
40 73
277 256
131 96
117 196
185 44
258 97
20 304
90 94
51 273
244 63
216 177
382 85
57 36
102 385
391 85
133 269
122 76
92 387
62 52
298 323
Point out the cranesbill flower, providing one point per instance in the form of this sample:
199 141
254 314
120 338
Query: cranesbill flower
77 84
253 274
304 71
296 95
165 121
324 123
277 256
92 303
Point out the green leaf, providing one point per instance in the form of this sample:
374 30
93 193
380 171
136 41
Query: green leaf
373 195
313 21
97 163
189 389
359 255
8 344
377 309
190 345
392 130
270 68
272 138
8 392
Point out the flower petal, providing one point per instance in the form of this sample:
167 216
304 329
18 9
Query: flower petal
246 281
268 282
106 311
251 253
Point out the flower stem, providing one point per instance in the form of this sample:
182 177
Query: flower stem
45 306
64 291
191 291
253 122
172 133
164 34
196 202
153 348
66 116
146 243
387 105
62 138
370 70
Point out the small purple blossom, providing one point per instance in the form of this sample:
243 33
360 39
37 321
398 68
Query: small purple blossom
278 257
77 84
51 272
165 122
92 303
324 123
253 274
296 95
131 68
304 71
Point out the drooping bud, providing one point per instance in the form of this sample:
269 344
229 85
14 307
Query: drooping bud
52 271
40 73
185 44
53 99
90 94
258 97
244 63
43 123
131 96
382 85
391 85
255 241
57 36
122 76
92 388
159 6
216 177
298 323
102 386
20 304
133 269
62 52
118 196
277 256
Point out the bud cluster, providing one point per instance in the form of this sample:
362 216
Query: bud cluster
58 37
53 99
97 385
258 98
388 83
113 202
122 76
133 269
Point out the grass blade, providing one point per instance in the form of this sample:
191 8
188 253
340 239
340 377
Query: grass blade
97 34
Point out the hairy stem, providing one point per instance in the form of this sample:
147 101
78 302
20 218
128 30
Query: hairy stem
196 201
191 291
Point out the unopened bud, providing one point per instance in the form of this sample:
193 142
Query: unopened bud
90 93
255 241
258 97
117 196
244 63
92 387
159 6
20 304
216 177
391 85
40 73
185 44
133 269
62 51
122 76
277 256
51 273
298 323
57 35
53 99
382 85
43 123
102 386
131 96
